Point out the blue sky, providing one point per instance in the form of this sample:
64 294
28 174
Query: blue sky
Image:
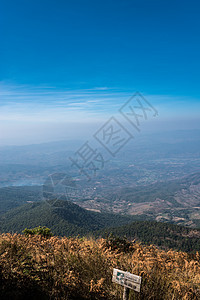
65 65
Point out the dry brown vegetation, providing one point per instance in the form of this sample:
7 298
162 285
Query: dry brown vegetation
35 267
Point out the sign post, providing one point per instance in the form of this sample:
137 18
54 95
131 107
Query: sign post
128 280
126 293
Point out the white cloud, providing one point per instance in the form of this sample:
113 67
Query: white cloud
28 103
32 110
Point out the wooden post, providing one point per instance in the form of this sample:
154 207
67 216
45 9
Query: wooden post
126 293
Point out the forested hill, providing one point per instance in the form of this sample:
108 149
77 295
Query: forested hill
164 235
66 218
14 196
71 220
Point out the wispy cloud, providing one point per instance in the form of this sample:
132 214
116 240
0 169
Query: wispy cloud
49 103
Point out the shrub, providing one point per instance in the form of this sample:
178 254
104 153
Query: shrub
116 243
43 231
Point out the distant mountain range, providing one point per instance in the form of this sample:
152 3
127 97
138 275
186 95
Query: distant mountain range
146 146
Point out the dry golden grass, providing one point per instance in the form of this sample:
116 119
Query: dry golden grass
71 268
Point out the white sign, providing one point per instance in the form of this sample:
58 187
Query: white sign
127 279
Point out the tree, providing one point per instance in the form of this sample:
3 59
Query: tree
40 230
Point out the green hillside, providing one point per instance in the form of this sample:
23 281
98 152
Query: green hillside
13 196
67 219
164 235
71 220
